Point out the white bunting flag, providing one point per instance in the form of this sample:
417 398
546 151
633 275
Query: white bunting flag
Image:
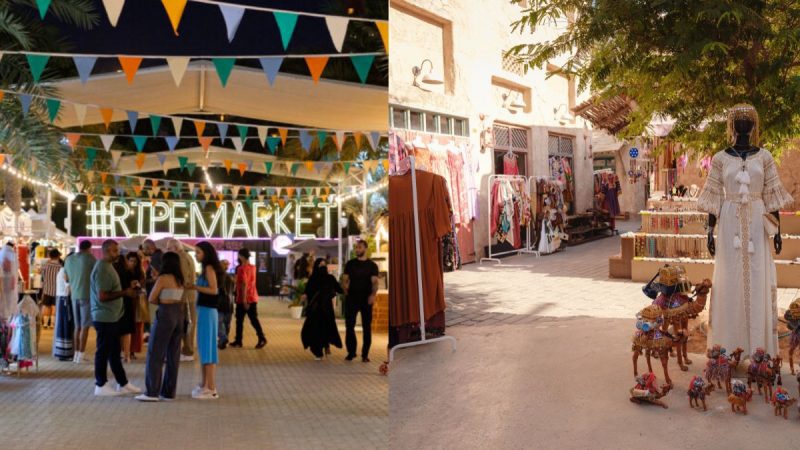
80 113
177 122
339 140
113 9
262 134
177 65
107 139
115 155
238 143
337 26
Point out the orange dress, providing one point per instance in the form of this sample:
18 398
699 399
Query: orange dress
435 212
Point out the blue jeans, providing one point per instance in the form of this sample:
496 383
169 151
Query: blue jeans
224 327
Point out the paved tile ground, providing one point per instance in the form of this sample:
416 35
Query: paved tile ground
278 397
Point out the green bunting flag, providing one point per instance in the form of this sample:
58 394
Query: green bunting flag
155 123
182 160
286 24
224 67
243 129
190 167
91 154
362 63
322 136
43 6
139 141
346 167
272 144
53 105
37 64
268 166
295 168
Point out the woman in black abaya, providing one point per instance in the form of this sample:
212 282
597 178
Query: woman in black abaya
319 330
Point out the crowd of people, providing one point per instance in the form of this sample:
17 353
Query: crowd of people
156 297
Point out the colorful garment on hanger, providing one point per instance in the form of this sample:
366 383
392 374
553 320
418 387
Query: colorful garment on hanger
510 164
458 188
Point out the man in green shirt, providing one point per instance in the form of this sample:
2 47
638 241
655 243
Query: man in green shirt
106 296
78 267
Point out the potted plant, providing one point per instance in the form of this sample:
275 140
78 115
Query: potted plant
296 307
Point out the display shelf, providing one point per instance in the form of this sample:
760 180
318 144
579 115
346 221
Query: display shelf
587 227
642 270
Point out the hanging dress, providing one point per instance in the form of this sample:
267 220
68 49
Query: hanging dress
743 311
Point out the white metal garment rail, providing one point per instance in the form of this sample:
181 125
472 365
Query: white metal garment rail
527 248
423 339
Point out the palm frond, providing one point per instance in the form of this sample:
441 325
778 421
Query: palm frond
80 13
13 31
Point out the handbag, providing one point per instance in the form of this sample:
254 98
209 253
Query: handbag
771 224
142 309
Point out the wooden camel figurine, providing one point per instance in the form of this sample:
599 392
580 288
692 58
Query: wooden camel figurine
678 308
782 401
720 367
651 340
739 397
645 390
698 390
763 370
792 316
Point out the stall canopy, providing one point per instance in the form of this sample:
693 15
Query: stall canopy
318 246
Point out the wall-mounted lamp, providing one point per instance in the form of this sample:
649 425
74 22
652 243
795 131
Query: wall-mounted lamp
565 116
512 101
430 77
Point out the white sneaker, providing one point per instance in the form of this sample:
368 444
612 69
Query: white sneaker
146 398
187 358
197 390
205 394
129 389
105 391
78 357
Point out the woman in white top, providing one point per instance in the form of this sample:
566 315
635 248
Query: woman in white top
65 326
165 332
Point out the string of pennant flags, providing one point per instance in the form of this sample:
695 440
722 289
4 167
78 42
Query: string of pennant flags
129 64
232 15
269 136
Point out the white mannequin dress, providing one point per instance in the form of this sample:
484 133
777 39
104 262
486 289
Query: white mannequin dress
743 311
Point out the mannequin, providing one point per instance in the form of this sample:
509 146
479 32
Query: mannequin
742 148
742 194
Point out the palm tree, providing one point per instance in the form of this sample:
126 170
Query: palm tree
35 146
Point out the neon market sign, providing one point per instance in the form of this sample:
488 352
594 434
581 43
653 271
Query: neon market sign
188 220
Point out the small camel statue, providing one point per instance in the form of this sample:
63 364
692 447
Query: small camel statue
782 401
646 391
739 397
698 390
763 370
720 366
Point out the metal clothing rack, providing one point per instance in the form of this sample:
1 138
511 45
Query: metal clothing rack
527 248
423 339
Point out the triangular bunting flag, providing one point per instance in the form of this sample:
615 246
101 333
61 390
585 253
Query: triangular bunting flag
130 66
182 160
321 137
174 10
224 67
316 64
318 166
222 127
385 164
242 168
233 16
286 24
262 134
309 165
268 166
376 139
113 10
72 138
140 160
284 133
346 167
139 142
383 29
243 129
25 101
305 139
53 105
199 126
194 192
227 163
358 137
91 154
362 63
190 167
84 64
339 140
107 113
177 123
295 168
80 113
238 143
172 141
271 67
133 119
161 159
115 156
37 64
43 5
337 27
107 140
236 190
205 142
155 124
290 191
370 141
272 144
177 66
249 164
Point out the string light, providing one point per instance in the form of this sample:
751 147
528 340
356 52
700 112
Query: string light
21 176
208 178
369 190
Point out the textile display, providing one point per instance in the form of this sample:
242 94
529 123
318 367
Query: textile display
744 304
435 222
511 210
671 246
561 172
550 214
9 275
672 222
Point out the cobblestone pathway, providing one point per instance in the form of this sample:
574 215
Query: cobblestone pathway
278 397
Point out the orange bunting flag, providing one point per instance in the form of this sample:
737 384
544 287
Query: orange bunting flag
284 134
2 94
282 203
138 190
309 165
274 199
218 204
247 190
89 198
130 66
227 163
174 10
383 29
73 139
385 164
205 142
103 176
316 64
107 113
200 126
290 191
107 190
242 168
165 193
140 160
358 137
2 159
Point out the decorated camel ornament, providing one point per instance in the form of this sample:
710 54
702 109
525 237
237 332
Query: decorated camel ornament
782 401
763 371
740 395
721 366
651 340
646 391
792 316
698 390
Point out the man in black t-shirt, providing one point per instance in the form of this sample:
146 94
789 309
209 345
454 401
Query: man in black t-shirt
361 286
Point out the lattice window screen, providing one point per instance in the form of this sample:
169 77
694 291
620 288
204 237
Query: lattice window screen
560 145
501 137
519 138
512 66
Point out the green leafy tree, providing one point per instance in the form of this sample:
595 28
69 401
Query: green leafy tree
36 146
684 59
